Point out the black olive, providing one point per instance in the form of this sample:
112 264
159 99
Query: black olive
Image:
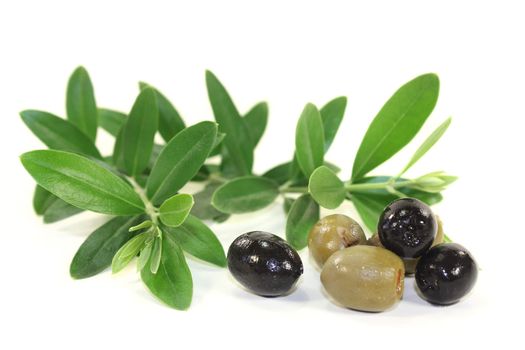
264 263
407 227
446 273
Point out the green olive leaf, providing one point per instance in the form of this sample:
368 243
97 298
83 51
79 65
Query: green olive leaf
287 204
217 147
118 151
51 207
326 188
97 251
144 256
42 199
245 194
279 173
175 209
143 225
256 120
203 209
238 141
60 210
156 255
429 142
57 133
139 131
128 251
111 121
332 114
180 160
303 214
371 203
397 123
172 283
199 240
80 103
82 182
309 140
170 121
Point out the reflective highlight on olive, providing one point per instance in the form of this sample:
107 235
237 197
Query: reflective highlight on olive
407 227
410 263
333 233
264 263
364 278
446 273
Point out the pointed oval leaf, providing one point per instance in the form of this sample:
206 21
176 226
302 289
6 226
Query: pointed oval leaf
111 121
237 141
199 240
60 210
156 255
57 133
175 209
309 140
245 194
203 209
287 204
128 251
42 199
180 160
80 103
170 121
256 120
172 283
332 114
82 182
144 256
303 214
97 251
139 131
397 123
326 188
279 173
429 142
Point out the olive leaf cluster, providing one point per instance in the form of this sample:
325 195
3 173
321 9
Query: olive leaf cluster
315 179
140 183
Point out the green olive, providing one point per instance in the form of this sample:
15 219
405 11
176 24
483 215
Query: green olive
410 264
364 278
333 233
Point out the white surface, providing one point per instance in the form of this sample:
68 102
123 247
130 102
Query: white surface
287 53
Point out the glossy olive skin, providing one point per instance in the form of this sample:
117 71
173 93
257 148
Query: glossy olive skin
410 263
446 273
407 227
364 278
264 263
333 233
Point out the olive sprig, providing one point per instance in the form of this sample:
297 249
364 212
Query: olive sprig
316 180
140 183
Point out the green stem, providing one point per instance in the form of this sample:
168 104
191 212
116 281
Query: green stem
377 186
150 209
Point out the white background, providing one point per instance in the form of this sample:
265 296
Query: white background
287 53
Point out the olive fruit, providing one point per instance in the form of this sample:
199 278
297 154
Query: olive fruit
410 263
264 263
446 273
364 278
333 233
407 227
